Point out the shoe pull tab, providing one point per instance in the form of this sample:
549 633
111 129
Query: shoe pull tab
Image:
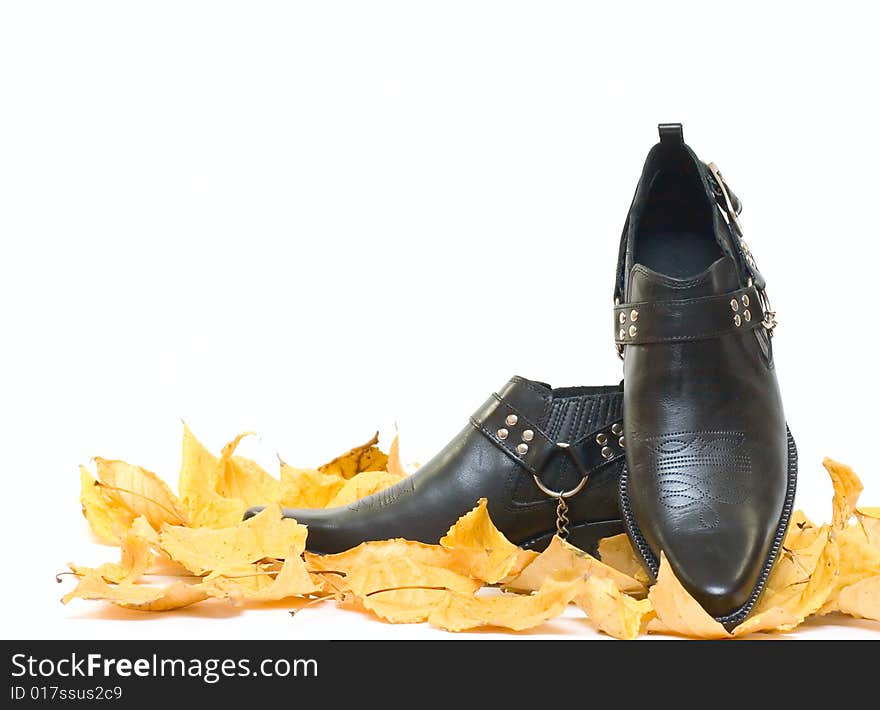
671 134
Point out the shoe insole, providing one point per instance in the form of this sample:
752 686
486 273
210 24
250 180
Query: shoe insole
677 254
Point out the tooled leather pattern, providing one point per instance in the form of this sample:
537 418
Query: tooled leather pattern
698 470
385 497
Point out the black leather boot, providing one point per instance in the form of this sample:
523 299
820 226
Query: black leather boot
526 445
710 466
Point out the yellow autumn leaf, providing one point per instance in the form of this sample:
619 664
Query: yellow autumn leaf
787 608
367 457
136 596
610 610
241 478
800 556
773 619
847 488
136 556
140 491
861 599
404 606
859 560
197 485
402 572
562 559
108 521
460 612
617 552
523 559
362 485
377 552
394 465
869 521
400 590
203 550
479 547
677 611
308 487
260 586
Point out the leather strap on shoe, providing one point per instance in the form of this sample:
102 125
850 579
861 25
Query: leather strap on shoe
731 207
690 319
525 442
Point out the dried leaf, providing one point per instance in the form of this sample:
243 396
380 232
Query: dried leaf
402 572
610 610
107 520
847 488
862 599
523 559
677 611
141 492
798 560
203 550
256 586
479 547
404 606
197 484
366 457
563 560
859 560
773 619
137 556
786 608
373 553
869 520
402 591
137 596
394 465
308 487
459 612
618 552
244 479
362 485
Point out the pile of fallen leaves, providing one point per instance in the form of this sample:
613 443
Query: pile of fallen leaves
198 539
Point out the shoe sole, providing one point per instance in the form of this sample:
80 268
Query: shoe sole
729 621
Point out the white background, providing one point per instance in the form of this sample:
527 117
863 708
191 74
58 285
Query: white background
312 220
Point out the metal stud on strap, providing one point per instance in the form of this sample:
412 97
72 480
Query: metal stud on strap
533 449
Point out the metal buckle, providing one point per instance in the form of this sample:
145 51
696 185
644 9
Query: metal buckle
560 496
769 321
730 209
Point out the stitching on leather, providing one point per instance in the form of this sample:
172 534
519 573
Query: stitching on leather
712 298
526 383
546 410
700 336
575 418
589 409
554 416
672 283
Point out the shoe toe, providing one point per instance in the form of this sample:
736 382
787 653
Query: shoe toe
720 568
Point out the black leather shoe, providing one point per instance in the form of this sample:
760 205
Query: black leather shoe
710 466
524 446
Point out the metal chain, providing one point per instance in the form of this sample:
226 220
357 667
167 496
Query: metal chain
562 518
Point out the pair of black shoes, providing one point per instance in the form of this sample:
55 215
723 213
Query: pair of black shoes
692 457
